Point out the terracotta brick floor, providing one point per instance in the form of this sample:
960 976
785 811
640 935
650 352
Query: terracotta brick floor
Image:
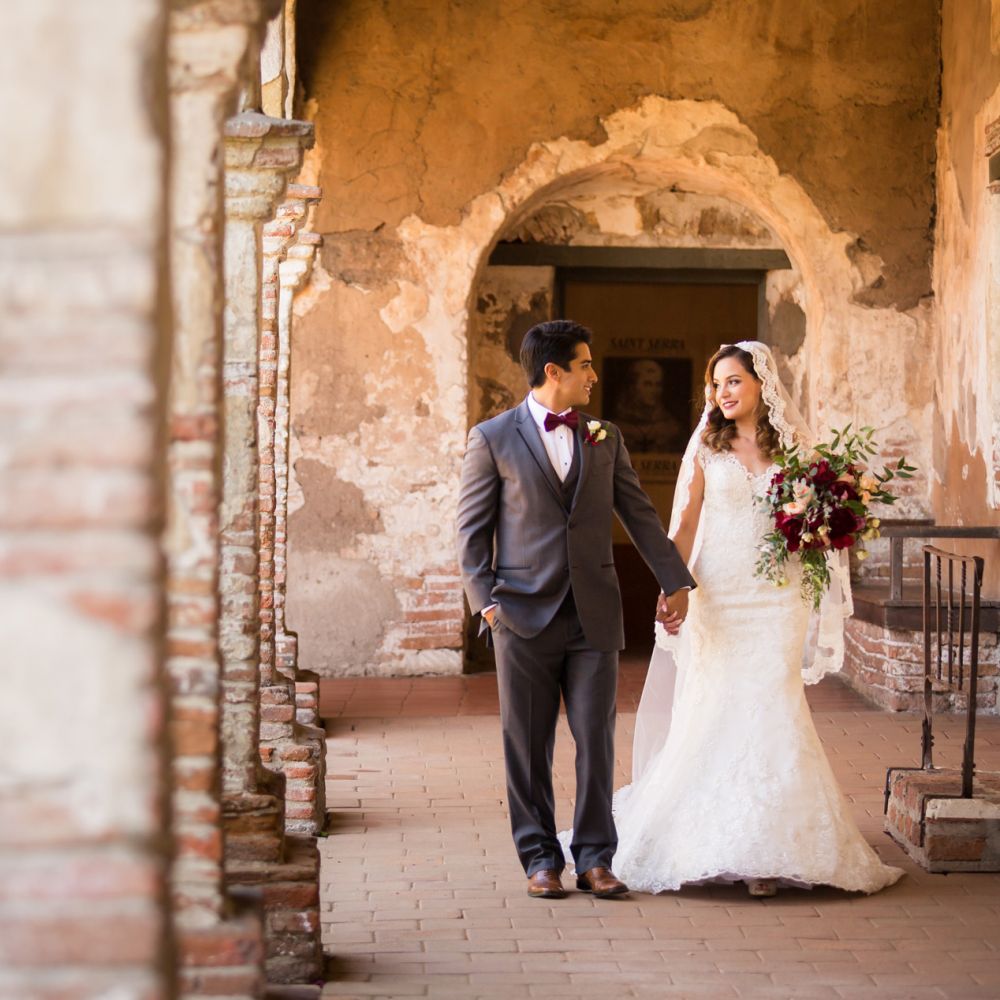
422 894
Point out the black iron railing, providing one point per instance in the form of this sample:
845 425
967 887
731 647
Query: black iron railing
898 530
964 616
951 623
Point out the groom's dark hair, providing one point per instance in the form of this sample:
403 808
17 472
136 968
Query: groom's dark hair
554 341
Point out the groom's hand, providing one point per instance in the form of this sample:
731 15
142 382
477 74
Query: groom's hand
671 611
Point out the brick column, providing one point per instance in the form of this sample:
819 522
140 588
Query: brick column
292 739
83 330
278 234
220 940
260 154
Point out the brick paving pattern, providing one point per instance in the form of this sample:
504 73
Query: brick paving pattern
422 895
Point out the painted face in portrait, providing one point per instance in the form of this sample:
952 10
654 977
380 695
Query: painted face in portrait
647 383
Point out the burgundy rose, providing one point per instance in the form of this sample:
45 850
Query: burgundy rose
791 528
843 524
821 473
843 491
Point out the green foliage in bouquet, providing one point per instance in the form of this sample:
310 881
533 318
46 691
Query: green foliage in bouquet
821 503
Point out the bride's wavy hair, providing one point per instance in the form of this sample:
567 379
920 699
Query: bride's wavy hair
719 432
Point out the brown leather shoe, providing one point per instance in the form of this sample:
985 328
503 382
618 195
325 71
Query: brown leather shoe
601 883
546 884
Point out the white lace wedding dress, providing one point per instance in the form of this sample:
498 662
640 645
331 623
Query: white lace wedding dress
742 788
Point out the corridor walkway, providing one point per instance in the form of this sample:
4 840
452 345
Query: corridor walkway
422 895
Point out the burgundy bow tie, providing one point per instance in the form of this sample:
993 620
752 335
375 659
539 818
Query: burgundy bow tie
571 420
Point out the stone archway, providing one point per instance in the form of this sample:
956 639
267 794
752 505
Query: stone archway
702 147
402 495
610 207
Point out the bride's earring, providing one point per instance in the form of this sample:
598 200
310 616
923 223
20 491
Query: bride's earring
762 887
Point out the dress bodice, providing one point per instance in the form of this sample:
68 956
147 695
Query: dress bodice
733 522
729 485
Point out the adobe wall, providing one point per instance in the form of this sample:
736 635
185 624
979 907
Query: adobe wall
448 124
966 422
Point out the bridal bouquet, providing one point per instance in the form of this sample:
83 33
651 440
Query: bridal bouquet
821 502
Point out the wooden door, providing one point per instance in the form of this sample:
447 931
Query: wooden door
652 340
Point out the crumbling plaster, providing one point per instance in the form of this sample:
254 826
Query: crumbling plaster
426 105
634 216
397 347
966 422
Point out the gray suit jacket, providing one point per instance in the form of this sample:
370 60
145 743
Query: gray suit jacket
520 548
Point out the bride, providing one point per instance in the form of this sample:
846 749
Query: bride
730 781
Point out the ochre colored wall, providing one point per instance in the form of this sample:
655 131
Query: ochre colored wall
441 126
966 270
421 106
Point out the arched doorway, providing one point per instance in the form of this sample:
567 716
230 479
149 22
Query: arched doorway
662 275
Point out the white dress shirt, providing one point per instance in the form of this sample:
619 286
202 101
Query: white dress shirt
559 442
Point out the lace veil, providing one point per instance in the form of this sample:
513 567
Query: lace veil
824 652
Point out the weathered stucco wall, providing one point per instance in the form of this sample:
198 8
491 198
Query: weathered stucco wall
423 106
440 127
966 484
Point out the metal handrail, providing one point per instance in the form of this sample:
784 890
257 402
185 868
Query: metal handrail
954 683
954 678
898 530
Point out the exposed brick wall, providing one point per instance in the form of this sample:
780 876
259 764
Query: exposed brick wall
289 891
433 610
223 960
260 153
292 740
198 97
219 938
294 274
111 824
279 234
887 667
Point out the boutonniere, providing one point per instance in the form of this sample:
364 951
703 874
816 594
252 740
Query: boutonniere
595 432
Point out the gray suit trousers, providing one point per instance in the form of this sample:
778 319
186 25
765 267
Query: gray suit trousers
532 674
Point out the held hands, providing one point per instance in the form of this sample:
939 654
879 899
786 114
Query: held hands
671 611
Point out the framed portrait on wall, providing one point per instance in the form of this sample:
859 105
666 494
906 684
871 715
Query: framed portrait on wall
648 399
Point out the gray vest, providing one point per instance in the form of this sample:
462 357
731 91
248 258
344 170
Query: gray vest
572 477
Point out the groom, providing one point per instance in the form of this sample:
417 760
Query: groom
539 485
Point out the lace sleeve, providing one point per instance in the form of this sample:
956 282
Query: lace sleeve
682 488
